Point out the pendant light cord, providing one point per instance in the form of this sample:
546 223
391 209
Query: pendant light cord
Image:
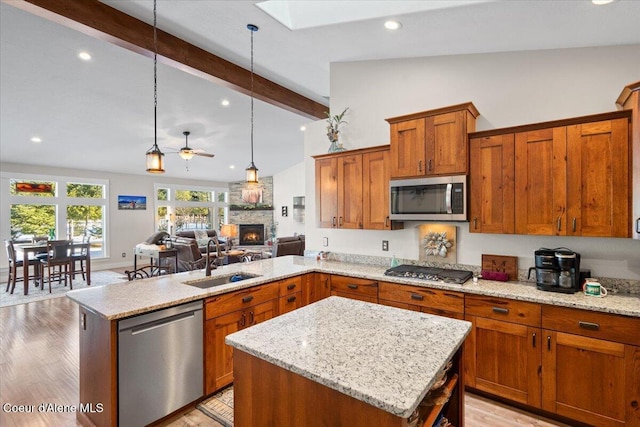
155 79
252 31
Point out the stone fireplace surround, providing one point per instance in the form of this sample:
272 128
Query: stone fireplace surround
251 216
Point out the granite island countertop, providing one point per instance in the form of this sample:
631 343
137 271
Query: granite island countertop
121 300
384 356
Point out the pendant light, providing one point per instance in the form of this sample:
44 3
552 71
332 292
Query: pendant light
155 157
252 170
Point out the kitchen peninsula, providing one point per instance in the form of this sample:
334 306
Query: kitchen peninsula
346 362
282 284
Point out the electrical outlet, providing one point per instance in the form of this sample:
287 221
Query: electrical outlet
385 245
325 241
124 254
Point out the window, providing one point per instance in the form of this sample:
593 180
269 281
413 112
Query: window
60 208
179 208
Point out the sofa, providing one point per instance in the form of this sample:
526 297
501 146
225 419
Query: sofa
293 245
201 237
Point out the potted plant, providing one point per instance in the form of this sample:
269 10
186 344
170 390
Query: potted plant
333 130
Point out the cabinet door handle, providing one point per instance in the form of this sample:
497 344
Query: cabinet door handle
475 223
333 221
500 310
588 325
417 297
559 223
340 222
251 318
247 298
326 283
291 286
291 299
419 165
533 339
573 224
430 165
350 286
243 319
386 222
549 342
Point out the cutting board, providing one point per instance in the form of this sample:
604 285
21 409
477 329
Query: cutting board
502 264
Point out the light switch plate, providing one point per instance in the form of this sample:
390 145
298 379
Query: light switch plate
325 241
385 245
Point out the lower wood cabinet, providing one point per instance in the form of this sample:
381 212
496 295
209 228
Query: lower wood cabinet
354 288
591 366
503 350
426 300
315 286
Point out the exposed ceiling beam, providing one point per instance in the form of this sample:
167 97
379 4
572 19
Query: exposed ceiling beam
106 23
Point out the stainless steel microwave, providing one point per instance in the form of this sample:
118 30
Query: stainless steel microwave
439 199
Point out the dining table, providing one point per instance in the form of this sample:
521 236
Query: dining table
30 250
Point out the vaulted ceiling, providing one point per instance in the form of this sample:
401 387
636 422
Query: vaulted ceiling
98 114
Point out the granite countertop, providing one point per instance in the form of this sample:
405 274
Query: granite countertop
384 356
121 300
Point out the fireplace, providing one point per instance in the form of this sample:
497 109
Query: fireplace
251 234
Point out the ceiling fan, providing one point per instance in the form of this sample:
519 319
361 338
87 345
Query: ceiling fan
187 152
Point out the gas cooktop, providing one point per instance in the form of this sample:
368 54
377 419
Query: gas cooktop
429 273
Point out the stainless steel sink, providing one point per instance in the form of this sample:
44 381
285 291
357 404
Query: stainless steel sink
220 280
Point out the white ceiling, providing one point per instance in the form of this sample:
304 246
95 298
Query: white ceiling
98 115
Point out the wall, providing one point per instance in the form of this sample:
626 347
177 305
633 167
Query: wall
252 216
126 228
287 185
508 89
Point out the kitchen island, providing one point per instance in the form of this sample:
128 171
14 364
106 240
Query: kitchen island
346 362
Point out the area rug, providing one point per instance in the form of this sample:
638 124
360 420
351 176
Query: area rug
98 278
219 407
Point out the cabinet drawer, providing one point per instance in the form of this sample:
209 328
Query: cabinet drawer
610 327
525 313
355 286
289 302
290 285
226 303
423 297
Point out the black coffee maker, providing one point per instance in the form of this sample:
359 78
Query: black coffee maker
557 270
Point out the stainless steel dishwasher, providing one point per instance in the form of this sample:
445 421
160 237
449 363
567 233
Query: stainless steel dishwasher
160 363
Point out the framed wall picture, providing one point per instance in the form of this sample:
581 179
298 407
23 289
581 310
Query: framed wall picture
252 195
132 203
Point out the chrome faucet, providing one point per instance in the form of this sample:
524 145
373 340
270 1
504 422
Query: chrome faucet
207 270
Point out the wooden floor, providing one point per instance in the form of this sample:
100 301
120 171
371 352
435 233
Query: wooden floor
39 364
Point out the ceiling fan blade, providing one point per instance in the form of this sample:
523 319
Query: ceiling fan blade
195 153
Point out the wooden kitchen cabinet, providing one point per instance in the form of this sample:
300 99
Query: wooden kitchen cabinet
502 352
316 286
432 143
352 189
572 177
491 205
418 298
354 288
226 314
290 294
591 366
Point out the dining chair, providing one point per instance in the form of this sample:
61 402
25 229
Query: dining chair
80 255
16 265
58 255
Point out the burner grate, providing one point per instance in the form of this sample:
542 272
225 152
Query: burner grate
429 273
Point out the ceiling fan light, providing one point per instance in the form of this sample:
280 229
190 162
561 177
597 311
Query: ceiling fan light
252 174
186 154
155 160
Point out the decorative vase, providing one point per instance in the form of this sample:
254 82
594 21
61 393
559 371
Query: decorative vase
335 146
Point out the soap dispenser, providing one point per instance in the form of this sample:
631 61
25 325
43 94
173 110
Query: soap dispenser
394 261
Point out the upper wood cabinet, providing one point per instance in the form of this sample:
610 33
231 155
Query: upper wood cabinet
572 178
352 189
433 142
491 181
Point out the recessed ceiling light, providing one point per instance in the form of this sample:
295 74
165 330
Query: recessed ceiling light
36 139
303 128
601 2
225 102
84 56
392 25
232 166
